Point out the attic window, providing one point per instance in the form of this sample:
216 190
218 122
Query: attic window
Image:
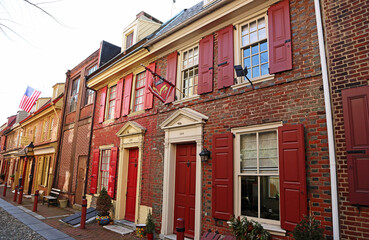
129 40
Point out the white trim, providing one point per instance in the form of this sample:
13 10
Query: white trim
237 171
178 133
106 147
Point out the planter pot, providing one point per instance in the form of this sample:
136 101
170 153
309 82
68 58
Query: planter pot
63 203
103 220
140 230
150 236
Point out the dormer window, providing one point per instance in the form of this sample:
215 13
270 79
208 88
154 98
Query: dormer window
129 40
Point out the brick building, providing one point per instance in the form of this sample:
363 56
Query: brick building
347 38
268 141
76 125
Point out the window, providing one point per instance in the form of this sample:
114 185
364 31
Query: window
89 97
45 129
51 127
92 69
104 169
129 40
189 74
254 47
111 103
257 171
74 96
45 170
140 91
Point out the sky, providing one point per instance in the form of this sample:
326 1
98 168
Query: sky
38 50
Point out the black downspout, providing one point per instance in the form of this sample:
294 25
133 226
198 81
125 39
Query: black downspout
91 131
61 132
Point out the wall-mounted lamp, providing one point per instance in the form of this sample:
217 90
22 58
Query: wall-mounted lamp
29 148
204 155
240 72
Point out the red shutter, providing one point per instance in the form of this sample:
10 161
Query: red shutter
148 94
225 57
355 102
102 104
292 175
112 171
206 65
127 94
222 202
279 27
118 99
95 170
172 73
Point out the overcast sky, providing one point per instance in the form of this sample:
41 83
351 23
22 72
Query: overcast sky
45 49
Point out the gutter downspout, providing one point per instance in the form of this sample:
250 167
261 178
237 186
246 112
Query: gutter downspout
328 110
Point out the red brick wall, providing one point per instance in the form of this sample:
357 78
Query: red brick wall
346 28
292 97
65 158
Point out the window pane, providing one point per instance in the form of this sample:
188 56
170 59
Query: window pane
249 196
245 40
263 46
261 23
269 199
253 37
255 60
255 49
264 69
248 153
255 72
246 52
253 26
268 153
262 33
245 30
246 62
264 57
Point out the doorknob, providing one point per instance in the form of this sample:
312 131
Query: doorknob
188 163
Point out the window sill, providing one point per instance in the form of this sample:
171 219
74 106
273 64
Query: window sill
271 228
108 121
136 113
186 99
253 80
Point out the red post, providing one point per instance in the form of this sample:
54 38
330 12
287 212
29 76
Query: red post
180 229
4 192
83 213
20 198
15 193
35 202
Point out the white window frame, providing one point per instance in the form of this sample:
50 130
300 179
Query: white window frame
74 95
180 70
108 101
134 92
238 48
100 168
237 169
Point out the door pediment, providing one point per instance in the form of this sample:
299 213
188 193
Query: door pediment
131 128
183 117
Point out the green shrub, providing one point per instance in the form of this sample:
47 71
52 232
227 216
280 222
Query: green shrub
103 204
150 225
308 229
248 230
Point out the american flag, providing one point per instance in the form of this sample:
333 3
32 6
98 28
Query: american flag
29 98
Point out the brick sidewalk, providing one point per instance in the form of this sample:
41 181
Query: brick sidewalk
53 214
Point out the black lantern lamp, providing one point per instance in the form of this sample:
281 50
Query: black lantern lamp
29 148
242 72
205 155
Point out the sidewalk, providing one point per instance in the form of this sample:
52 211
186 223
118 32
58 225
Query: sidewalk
46 220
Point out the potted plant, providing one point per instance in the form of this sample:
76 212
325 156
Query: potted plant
12 177
103 206
150 226
244 229
308 229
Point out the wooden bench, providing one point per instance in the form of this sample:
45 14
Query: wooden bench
52 198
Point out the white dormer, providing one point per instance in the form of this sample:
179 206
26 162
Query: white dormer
206 2
58 89
140 28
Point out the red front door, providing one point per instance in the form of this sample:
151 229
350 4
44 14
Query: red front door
131 185
185 187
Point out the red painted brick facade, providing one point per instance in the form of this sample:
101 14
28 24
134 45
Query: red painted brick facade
346 29
294 97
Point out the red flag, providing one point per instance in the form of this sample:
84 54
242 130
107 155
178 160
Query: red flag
160 87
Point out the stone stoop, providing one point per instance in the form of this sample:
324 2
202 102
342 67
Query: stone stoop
172 237
122 227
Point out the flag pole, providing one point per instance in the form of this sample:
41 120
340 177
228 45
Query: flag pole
155 74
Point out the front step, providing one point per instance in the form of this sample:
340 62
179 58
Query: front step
173 237
126 224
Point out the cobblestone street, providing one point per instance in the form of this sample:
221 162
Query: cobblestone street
12 228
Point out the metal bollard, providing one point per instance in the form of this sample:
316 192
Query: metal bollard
83 213
15 193
180 229
4 192
20 198
36 201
